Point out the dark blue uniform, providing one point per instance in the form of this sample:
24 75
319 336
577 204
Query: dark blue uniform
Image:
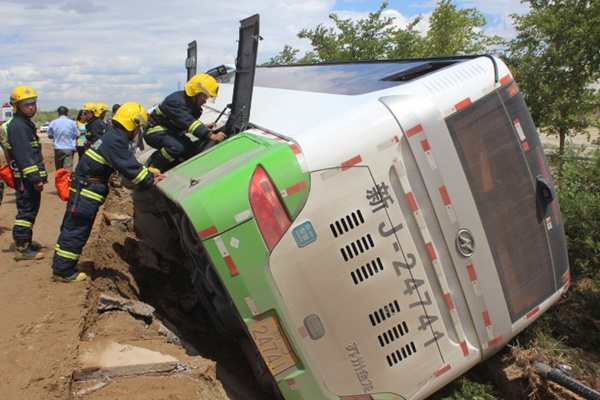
89 188
170 120
95 128
25 150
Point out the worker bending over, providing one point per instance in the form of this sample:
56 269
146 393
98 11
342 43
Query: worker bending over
89 187
177 114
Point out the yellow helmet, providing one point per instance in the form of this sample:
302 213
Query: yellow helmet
100 108
90 107
22 95
131 115
202 83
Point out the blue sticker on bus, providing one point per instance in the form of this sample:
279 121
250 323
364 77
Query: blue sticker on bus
304 234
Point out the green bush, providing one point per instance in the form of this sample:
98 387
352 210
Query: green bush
577 181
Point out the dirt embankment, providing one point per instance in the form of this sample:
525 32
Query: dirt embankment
56 342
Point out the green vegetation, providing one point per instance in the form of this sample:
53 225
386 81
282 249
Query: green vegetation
555 58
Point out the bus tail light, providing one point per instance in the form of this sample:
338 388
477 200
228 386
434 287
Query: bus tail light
271 216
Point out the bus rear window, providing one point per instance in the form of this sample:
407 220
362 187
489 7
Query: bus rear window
504 190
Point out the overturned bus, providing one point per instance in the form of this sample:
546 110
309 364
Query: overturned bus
375 231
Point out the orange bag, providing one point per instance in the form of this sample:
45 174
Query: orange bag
62 181
7 175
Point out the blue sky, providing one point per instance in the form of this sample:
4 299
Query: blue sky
73 52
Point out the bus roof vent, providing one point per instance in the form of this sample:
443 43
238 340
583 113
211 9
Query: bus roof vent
401 354
384 313
393 334
357 247
347 223
366 271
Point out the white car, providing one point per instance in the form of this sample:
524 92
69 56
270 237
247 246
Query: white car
44 127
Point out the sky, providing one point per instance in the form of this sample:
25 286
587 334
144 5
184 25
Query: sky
73 52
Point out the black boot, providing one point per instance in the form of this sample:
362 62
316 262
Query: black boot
24 251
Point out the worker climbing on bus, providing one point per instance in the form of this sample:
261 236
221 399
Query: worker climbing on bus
89 187
177 114
25 153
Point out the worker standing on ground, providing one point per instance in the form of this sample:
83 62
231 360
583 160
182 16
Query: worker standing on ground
82 140
178 113
5 152
64 131
94 126
89 187
25 152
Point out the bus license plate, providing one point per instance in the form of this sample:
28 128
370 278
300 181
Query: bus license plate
273 345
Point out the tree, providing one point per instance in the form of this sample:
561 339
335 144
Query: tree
457 32
555 58
452 32
286 57
365 39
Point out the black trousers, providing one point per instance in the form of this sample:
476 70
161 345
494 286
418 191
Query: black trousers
28 204
172 148
76 227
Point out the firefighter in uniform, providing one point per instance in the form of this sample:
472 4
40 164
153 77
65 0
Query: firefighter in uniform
89 187
95 126
25 152
178 113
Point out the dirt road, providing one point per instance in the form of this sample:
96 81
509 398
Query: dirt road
55 343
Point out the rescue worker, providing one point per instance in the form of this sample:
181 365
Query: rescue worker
95 126
25 153
178 113
101 111
89 187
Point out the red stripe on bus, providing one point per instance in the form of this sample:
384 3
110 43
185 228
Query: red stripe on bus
505 80
464 347
532 312
351 162
231 265
449 301
463 104
445 197
472 274
425 145
412 201
296 188
295 149
414 131
486 318
495 341
431 251
442 371
207 232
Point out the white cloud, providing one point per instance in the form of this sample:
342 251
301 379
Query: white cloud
73 52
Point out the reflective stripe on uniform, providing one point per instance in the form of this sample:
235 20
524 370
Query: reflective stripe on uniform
66 254
22 222
96 157
195 125
140 177
157 128
31 169
91 195
163 151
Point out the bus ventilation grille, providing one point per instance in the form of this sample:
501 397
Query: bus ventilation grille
384 313
393 334
401 354
366 271
358 247
347 223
